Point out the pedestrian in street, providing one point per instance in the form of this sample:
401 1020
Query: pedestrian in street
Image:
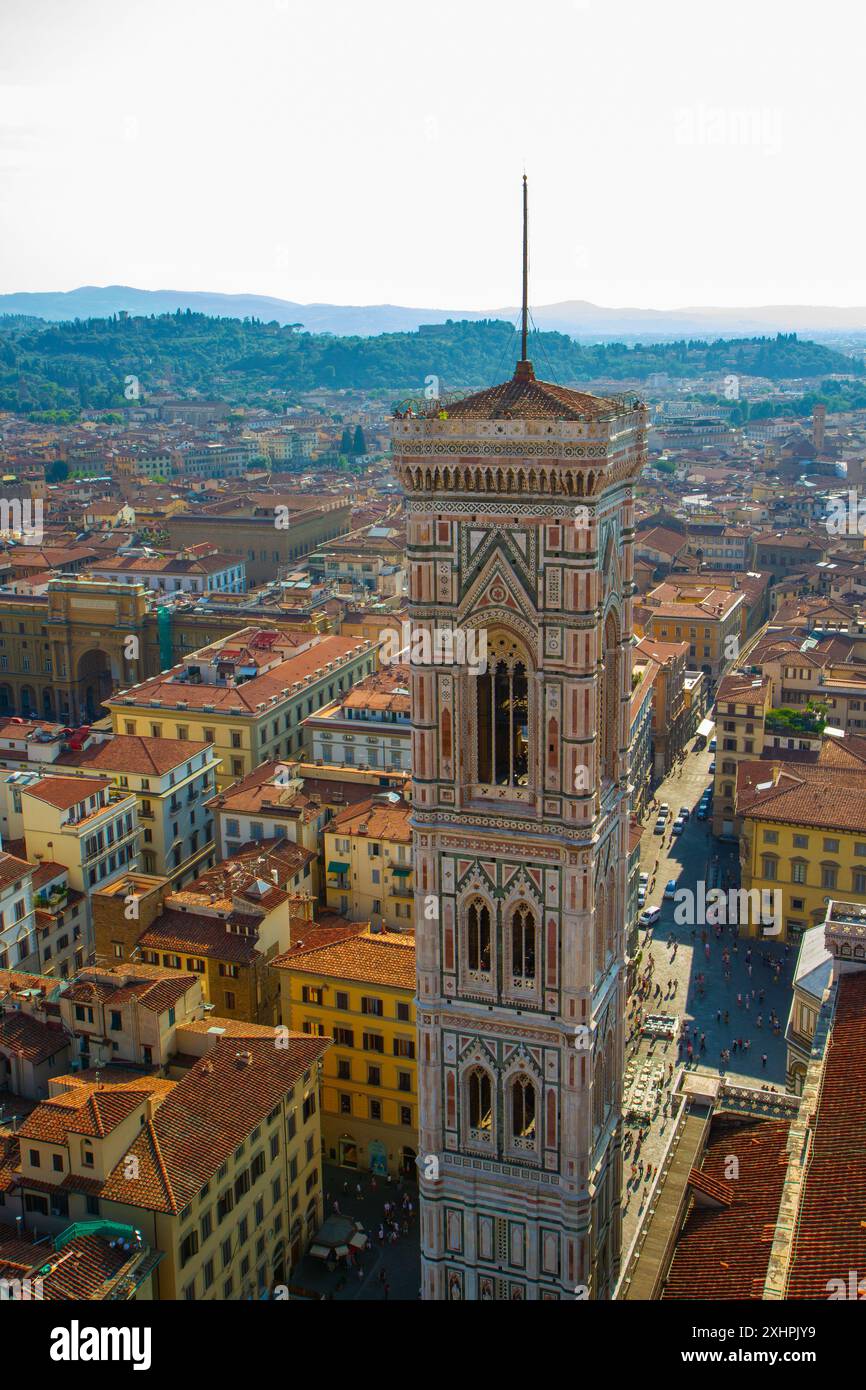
764 1060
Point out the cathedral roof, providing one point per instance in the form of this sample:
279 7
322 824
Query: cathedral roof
526 398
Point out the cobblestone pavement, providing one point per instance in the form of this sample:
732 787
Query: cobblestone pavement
697 858
400 1263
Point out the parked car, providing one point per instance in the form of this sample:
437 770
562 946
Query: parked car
641 895
678 827
650 915
684 813
703 811
712 767
712 745
643 878
664 810
660 826
670 888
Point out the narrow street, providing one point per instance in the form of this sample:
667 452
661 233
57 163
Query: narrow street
689 971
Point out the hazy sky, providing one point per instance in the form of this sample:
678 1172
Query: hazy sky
362 151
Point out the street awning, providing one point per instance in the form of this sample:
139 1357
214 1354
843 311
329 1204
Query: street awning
705 728
335 867
401 870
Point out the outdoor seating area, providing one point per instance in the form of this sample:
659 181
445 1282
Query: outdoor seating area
660 1026
643 1090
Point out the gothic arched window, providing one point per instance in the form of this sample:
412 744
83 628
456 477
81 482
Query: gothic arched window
609 699
480 1101
523 1109
523 943
502 712
478 937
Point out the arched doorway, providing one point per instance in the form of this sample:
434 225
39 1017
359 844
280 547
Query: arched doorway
28 703
408 1163
95 683
47 703
348 1152
5 699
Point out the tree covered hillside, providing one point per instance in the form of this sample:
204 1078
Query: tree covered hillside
84 363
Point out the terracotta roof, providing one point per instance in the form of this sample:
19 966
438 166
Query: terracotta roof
12 868
192 934
13 981
29 1038
10 1161
525 398
155 995
809 794
85 1268
207 1115
309 936
47 871
376 958
830 1233
84 1110
382 820
660 538
738 688
723 1250
267 782
138 754
64 792
230 1027
169 688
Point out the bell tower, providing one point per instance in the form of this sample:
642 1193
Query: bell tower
520 538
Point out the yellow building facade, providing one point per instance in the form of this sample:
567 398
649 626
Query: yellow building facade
804 838
368 863
359 992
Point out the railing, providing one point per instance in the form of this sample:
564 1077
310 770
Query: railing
109 1230
480 1136
479 977
524 1143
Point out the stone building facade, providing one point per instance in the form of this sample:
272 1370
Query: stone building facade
520 541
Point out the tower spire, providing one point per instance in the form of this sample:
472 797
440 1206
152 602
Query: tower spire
524 367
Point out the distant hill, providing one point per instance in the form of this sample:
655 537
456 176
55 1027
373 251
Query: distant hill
578 318
67 366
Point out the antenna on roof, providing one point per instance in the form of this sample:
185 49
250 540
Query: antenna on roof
524 367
